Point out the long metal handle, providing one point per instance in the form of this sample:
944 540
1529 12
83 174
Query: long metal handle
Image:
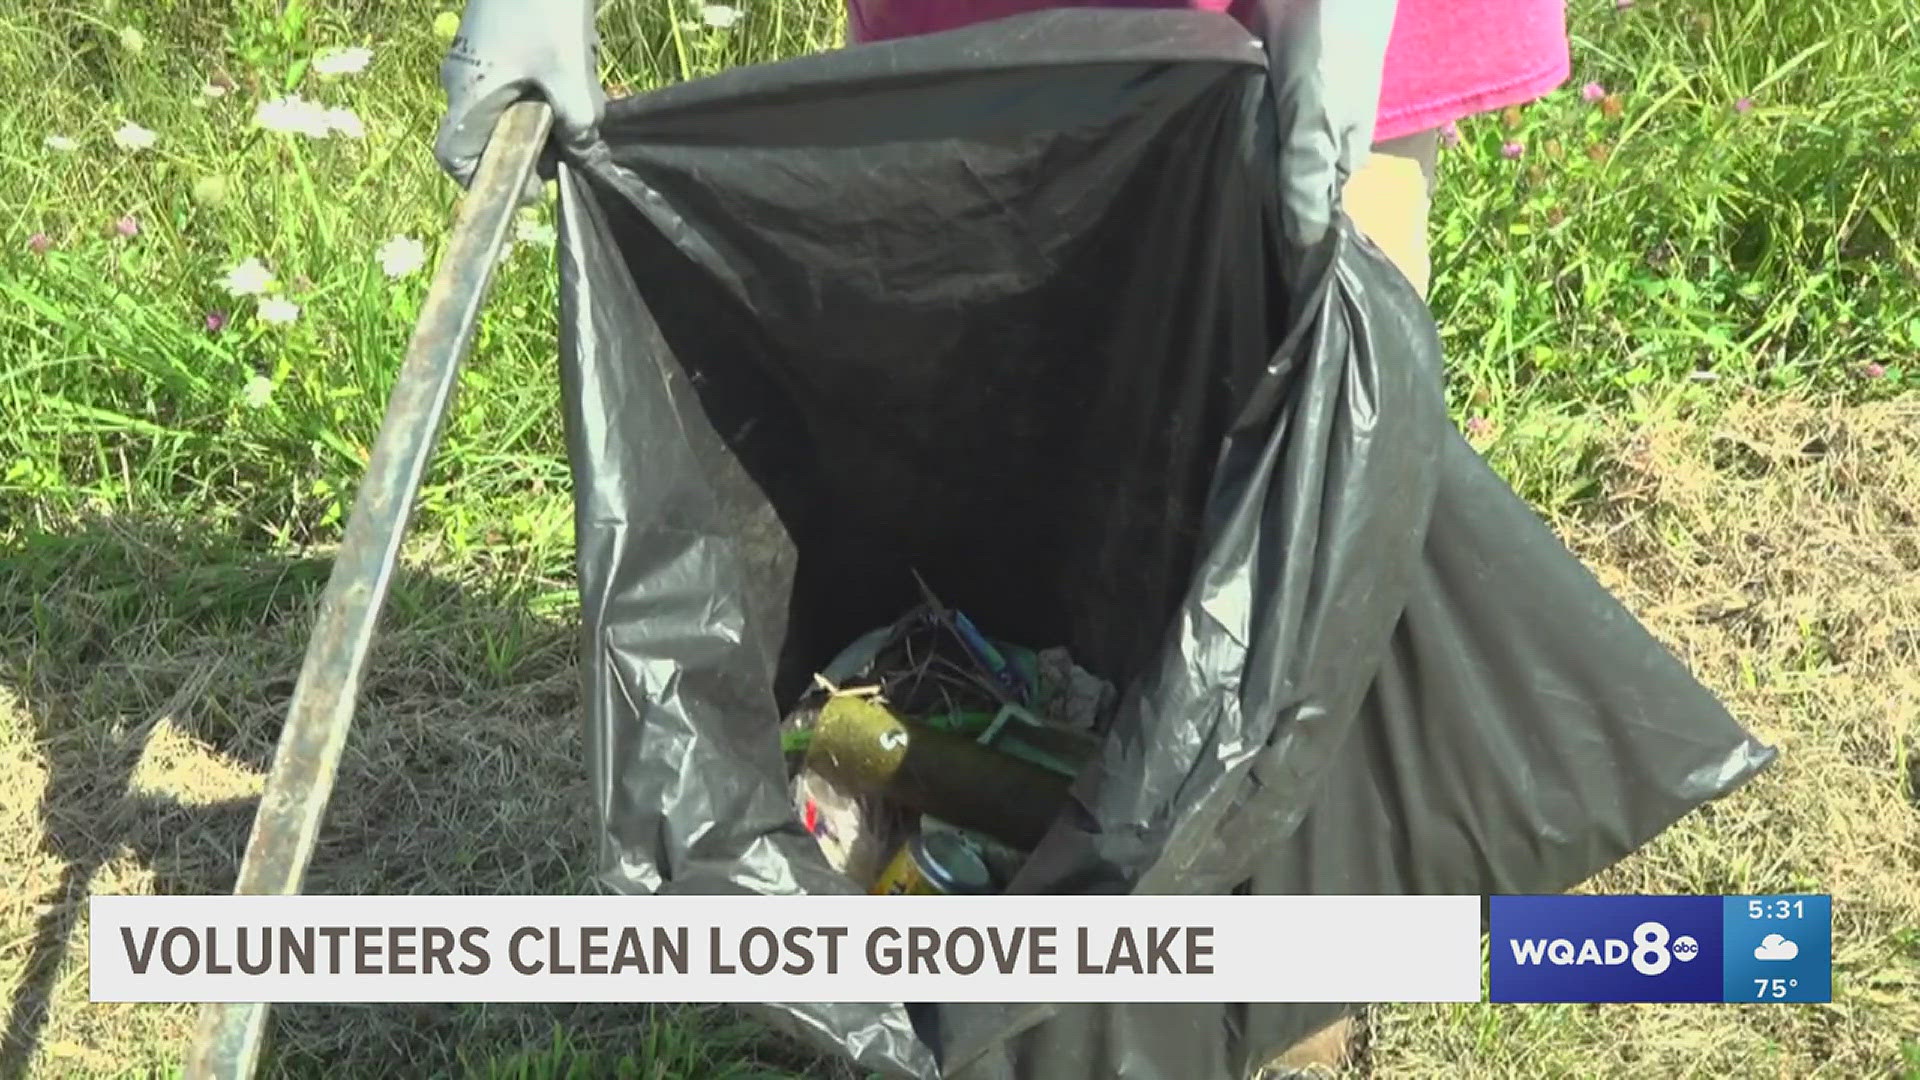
228 1040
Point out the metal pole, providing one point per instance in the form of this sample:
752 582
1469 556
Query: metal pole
229 1037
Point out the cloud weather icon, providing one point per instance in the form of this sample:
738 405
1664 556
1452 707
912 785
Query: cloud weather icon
1775 947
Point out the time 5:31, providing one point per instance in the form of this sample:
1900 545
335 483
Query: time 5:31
1776 909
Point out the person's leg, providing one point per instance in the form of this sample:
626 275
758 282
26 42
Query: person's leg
1389 197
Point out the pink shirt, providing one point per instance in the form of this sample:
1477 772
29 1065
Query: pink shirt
1446 59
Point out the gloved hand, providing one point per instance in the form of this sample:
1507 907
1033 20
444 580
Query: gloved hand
508 50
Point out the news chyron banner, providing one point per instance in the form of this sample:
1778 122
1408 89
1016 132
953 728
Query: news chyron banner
1054 949
1661 948
739 949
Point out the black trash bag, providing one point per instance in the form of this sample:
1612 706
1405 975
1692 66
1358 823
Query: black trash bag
1060 311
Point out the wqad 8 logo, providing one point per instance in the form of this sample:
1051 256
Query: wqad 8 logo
1652 953
1605 948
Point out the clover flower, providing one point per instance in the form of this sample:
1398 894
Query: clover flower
294 115
133 138
250 278
278 311
401 256
257 392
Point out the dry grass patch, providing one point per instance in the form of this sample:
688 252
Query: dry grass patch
143 681
1777 551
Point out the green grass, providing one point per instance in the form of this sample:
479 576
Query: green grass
1666 258
1709 253
119 395
1768 251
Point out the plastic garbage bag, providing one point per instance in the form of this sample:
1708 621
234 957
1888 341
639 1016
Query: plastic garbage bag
1061 312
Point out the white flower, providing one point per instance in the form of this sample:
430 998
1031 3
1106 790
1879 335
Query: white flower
61 143
278 310
132 40
400 256
293 115
344 122
250 278
531 231
257 392
720 16
337 62
134 138
213 90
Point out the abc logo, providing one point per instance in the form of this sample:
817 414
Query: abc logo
1651 953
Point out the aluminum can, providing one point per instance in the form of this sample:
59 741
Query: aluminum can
939 863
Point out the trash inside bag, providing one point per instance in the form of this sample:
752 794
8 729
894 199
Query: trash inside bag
931 719
1059 316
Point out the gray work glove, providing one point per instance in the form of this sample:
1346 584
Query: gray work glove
508 50
1353 58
